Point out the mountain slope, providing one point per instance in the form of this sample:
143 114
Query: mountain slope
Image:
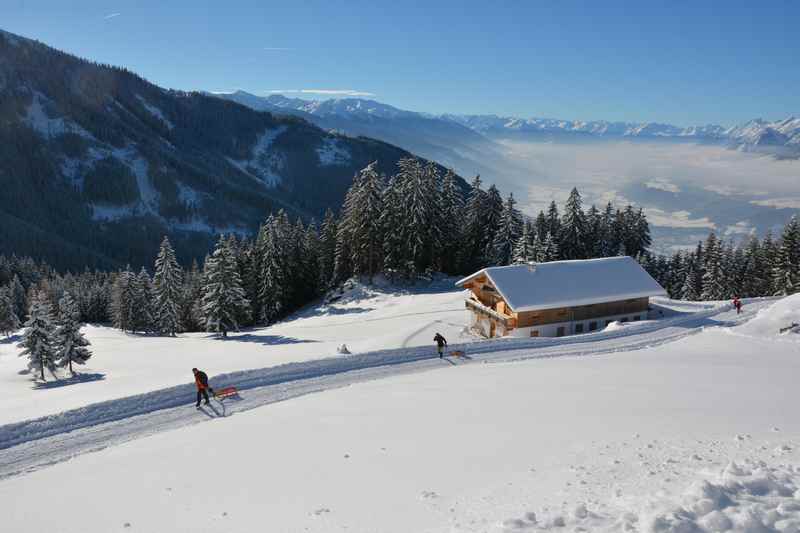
97 164
445 141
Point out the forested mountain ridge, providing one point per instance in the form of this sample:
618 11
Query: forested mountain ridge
97 164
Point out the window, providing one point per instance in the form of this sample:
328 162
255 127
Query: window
636 318
592 326
560 331
534 333
578 328
624 319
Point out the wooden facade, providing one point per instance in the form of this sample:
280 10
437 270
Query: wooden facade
487 303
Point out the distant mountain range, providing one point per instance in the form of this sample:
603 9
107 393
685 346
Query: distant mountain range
97 164
430 134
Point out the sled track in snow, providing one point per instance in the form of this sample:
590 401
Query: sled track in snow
34 444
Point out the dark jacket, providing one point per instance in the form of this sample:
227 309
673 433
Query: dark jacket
440 341
201 380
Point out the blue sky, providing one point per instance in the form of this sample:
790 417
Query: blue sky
683 62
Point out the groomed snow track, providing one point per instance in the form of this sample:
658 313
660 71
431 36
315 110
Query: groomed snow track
33 444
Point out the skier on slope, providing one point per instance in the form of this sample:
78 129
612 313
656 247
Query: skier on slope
201 380
441 342
737 303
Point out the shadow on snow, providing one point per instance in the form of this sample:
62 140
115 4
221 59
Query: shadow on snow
72 380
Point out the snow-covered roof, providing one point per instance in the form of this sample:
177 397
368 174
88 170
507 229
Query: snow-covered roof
536 286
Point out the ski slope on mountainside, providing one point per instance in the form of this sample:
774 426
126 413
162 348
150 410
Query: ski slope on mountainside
697 432
363 318
29 444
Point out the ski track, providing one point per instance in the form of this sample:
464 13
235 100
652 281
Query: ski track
34 444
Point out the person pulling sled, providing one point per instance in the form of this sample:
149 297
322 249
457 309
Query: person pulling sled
201 380
441 342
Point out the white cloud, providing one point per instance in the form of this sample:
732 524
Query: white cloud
327 92
676 219
111 16
779 203
661 184
742 227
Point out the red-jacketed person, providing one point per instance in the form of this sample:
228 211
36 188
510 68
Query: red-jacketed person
201 380
737 303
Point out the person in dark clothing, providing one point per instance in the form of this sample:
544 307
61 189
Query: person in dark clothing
737 303
201 380
441 342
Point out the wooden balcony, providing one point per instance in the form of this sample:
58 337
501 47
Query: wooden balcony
509 322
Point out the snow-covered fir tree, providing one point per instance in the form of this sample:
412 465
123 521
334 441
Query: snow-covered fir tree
492 220
511 227
573 232
786 271
167 287
418 231
692 280
550 251
123 301
523 248
70 342
553 221
9 322
223 296
38 341
451 212
18 297
143 297
327 249
362 215
273 293
472 257
191 315
714 282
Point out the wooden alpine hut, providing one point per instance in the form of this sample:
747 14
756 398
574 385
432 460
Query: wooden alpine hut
558 298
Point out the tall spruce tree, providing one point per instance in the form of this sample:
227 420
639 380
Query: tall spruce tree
786 272
492 221
143 298
9 323
363 217
18 297
473 252
550 251
573 232
167 286
71 343
223 297
511 227
327 250
714 283
452 217
38 342
553 221
273 288
523 248
123 301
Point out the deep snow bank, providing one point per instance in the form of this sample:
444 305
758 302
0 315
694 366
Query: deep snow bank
769 321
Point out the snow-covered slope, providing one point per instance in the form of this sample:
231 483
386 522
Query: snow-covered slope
685 436
365 319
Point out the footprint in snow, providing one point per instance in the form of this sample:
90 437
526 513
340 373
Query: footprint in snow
428 495
321 511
